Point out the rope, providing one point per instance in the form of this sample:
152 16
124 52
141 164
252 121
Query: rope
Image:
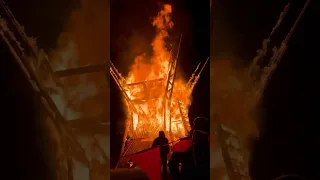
165 144
151 148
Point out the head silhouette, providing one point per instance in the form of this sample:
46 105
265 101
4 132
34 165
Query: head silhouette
201 123
161 134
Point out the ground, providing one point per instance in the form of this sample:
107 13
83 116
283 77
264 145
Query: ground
130 174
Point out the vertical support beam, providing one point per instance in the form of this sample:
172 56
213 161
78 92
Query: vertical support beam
164 115
132 122
169 88
146 92
183 118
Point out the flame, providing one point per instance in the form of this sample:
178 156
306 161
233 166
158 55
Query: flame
148 96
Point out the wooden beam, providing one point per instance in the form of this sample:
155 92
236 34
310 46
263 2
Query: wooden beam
143 100
142 82
82 70
91 125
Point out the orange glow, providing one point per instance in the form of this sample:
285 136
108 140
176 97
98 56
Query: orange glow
149 98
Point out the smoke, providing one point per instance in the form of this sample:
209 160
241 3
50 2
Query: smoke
232 97
84 41
142 69
233 103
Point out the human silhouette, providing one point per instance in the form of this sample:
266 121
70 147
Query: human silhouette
195 161
180 157
201 154
162 141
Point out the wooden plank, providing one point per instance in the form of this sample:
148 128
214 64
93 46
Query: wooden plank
142 82
89 125
82 70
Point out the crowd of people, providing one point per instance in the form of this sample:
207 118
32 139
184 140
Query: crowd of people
194 163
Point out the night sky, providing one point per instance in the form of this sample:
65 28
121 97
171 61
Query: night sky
289 140
133 19
43 19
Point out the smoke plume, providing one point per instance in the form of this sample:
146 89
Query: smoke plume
85 41
232 97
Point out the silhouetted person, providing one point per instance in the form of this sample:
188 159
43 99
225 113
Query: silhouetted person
127 141
176 159
202 124
162 141
200 150
195 161
201 154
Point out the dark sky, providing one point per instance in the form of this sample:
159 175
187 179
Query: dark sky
191 19
289 142
43 19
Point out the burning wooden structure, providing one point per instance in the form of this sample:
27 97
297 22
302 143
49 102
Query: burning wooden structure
141 135
155 98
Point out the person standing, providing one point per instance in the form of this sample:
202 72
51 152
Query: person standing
195 160
162 141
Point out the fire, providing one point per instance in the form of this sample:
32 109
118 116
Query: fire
149 95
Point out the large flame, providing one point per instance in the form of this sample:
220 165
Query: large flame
154 73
